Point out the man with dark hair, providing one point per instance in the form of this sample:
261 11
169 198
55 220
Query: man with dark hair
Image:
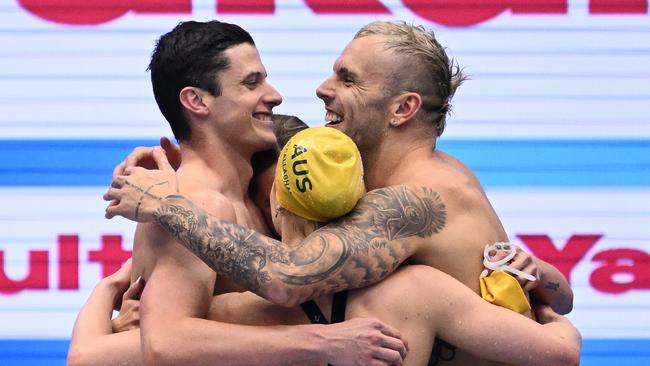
192 54
211 85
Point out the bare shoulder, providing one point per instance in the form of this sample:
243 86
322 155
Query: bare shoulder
413 205
155 247
454 181
411 290
213 202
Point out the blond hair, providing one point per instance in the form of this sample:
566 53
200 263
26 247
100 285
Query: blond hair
424 67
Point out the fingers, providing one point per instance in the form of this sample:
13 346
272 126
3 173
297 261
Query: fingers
498 255
545 314
395 344
396 337
135 290
114 210
161 159
388 330
521 260
113 194
388 356
120 180
525 263
139 155
119 169
127 265
172 151
529 285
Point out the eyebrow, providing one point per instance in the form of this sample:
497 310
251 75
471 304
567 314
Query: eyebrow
256 74
346 72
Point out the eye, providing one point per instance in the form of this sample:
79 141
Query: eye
251 82
348 81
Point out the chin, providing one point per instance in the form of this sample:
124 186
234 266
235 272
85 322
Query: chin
267 140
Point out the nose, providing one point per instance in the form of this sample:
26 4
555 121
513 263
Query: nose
272 97
325 91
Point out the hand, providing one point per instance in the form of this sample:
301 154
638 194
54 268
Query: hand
138 194
143 156
364 341
523 262
119 282
544 314
129 315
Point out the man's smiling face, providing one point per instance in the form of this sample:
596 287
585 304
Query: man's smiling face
356 96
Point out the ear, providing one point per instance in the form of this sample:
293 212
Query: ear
404 108
192 99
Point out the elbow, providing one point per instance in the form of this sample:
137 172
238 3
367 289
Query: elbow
571 358
571 355
77 357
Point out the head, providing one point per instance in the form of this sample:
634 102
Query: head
392 75
285 127
264 163
199 67
319 175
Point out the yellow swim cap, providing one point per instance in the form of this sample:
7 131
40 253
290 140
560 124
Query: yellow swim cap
319 175
500 288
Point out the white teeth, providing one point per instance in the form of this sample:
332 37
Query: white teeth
262 117
332 117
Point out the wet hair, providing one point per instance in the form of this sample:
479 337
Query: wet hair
285 126
423 68
191 54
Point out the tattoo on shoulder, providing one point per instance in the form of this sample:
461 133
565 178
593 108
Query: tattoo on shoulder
401 211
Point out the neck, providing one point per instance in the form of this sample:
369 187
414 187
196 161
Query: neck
214 163
396 152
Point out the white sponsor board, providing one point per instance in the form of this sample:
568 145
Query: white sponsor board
572 72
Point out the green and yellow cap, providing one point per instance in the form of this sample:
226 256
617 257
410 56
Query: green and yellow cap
319 175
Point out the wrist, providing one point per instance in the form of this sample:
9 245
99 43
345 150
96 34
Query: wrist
317 345
161 204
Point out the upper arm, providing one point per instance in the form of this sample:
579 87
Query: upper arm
490 331
179 287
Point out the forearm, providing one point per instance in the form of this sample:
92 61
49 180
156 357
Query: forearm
193 341
329 260
93 342
553 289
498 334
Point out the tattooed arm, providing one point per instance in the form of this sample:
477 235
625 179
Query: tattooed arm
387 227
553 289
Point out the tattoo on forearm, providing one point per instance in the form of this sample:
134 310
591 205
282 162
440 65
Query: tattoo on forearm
354 251
552 286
